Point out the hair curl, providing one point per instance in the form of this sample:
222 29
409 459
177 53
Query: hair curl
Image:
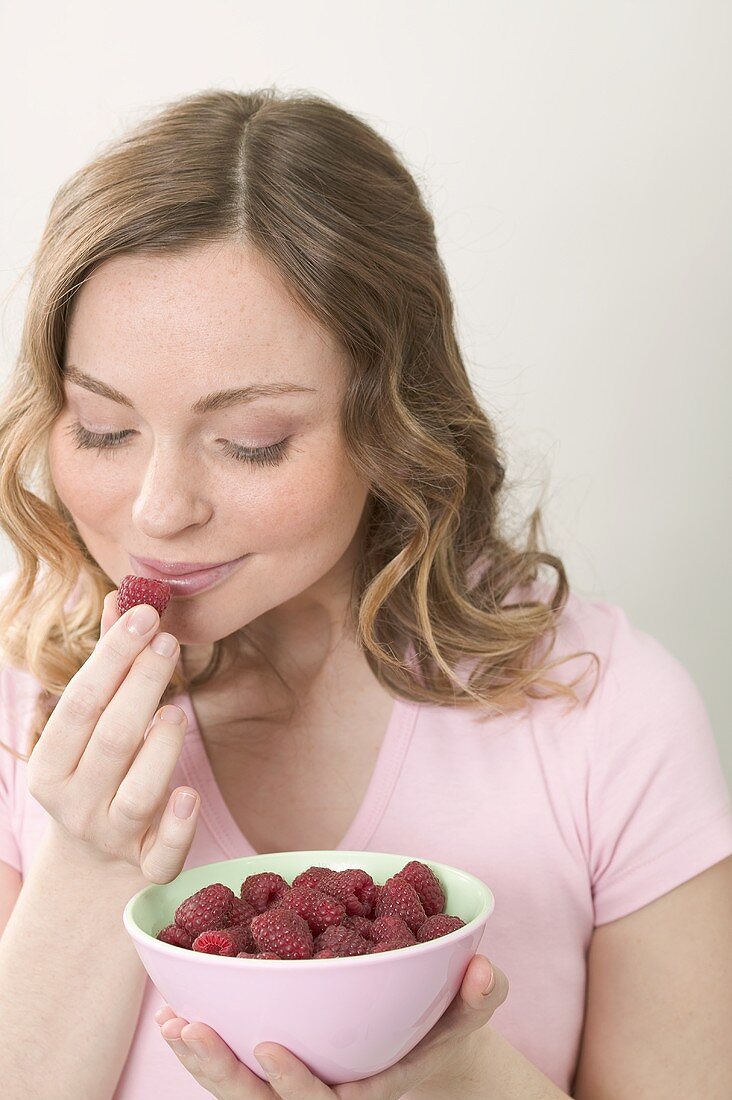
328 201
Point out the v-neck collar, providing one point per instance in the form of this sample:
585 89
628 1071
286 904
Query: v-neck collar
214 811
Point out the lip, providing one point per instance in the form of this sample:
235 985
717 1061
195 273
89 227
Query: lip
187 584
178 568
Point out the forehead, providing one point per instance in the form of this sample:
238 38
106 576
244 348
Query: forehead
216 302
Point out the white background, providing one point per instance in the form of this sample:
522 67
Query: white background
577 157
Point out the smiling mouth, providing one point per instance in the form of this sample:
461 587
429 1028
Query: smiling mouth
161 570
192 583
182 569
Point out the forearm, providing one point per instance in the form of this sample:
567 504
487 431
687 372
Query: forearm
498 1072
66 964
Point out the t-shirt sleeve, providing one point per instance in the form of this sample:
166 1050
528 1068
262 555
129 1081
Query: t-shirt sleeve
9 849
658 804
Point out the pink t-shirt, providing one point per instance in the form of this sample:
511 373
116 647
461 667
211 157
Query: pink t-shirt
572 818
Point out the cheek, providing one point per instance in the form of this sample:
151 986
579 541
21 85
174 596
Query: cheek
322 500
88 487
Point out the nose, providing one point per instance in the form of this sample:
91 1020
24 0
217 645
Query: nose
172 495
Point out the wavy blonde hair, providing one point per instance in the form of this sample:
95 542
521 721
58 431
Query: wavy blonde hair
328 201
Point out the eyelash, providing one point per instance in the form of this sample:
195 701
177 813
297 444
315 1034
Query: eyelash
260 456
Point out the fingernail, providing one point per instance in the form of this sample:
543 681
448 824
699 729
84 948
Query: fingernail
269 1065
184 805
142 619
164 644
491 982
171 713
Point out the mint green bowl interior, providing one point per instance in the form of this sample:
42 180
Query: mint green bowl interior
154 907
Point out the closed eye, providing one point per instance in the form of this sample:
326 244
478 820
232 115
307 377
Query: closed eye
261 456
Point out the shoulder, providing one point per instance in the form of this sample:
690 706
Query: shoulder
645 727
626 666
18 693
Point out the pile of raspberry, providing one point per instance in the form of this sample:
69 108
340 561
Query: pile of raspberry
324 914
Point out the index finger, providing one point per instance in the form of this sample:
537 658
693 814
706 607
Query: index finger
110 614
86 697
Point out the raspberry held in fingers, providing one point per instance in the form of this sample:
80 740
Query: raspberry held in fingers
135 590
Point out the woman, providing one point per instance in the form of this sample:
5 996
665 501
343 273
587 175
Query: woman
381 667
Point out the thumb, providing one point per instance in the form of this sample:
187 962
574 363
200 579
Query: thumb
486 996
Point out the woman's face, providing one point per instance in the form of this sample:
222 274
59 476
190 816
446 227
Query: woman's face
165 332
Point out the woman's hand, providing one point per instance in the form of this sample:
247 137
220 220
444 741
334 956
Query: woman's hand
106 755
444 1057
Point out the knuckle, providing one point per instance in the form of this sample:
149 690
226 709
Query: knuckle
150 670
159 869
169 737
82 702
164 859
155 874
112 739
118 646
132 805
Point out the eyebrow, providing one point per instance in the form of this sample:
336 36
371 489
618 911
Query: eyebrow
212 401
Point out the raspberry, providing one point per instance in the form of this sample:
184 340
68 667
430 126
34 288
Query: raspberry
351 945
263 889
241 912
343 942
391 927
400 898
390 945
427 885
438 925
311 877
225 941
330 937
206 910
318 909
324 914
284 932
362 925
133 590
353 887
178 937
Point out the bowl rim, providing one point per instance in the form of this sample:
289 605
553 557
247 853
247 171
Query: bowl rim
203 957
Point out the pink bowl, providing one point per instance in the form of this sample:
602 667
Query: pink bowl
345 1018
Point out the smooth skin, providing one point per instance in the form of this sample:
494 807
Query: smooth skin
164 332
105 759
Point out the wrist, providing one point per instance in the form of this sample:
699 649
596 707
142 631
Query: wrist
466 1078
75 853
